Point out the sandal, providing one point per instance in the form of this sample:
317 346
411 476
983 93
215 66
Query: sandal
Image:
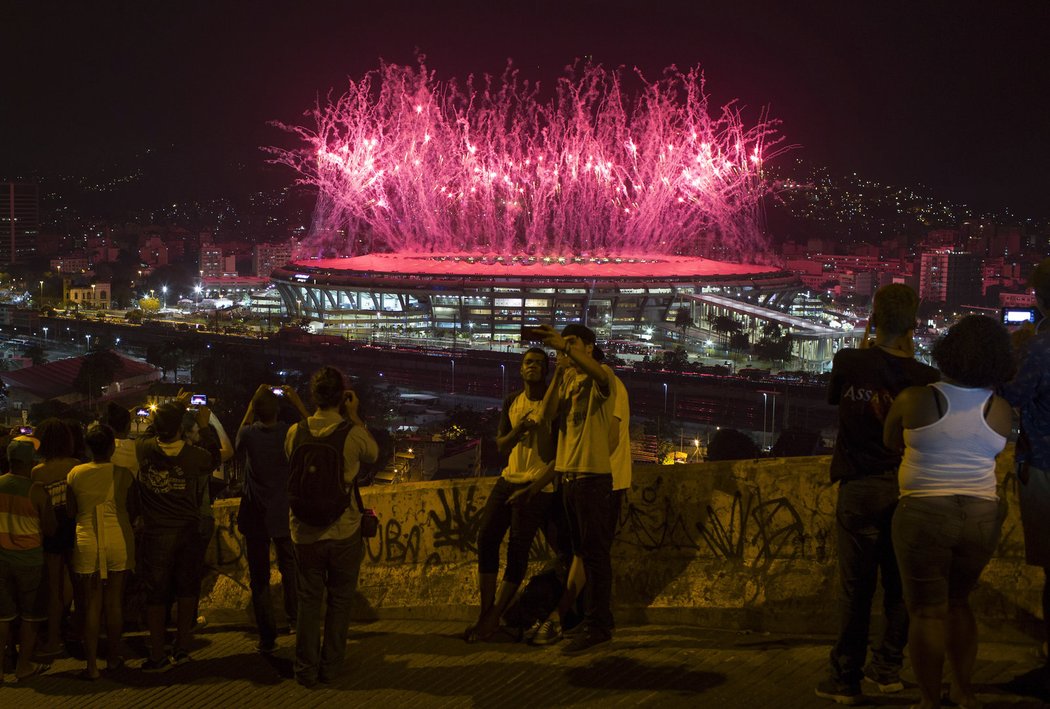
39 669
87 676
115 664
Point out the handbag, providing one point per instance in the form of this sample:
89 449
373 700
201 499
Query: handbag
369 518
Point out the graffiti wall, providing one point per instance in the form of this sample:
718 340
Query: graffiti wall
746 544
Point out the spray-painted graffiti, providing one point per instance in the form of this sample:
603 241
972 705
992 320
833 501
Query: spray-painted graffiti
755 532
654 522
456 525
400 547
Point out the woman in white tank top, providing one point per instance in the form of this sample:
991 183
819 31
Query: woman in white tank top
946 526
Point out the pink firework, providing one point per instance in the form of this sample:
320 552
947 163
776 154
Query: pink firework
405 163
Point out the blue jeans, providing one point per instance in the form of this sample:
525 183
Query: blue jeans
865 515
330 565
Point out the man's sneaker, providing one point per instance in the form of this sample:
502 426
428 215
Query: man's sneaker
266 647
180 657
162 664
531 631
586 639
887 682
840 692
548 634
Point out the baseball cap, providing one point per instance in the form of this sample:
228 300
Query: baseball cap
21 450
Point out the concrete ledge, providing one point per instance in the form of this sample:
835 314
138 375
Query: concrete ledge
742 544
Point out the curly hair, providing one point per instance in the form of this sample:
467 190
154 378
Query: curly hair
894 308
327 387
975 352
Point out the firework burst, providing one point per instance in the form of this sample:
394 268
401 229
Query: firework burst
403 162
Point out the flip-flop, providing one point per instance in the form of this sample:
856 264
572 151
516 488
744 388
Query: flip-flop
41 668
87 676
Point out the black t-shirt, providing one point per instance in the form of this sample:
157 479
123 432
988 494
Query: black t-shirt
171 487
863 385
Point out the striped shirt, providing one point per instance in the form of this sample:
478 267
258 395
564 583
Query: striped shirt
21 540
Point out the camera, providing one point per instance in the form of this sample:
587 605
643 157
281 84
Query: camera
25 430
142 413
277 391
1018 316
198 399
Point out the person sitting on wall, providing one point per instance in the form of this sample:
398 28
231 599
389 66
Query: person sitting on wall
528 442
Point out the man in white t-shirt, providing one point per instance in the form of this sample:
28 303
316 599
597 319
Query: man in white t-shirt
582 397
528 444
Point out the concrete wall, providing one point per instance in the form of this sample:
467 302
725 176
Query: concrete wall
744 544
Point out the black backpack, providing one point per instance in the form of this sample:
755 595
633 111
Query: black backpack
316 490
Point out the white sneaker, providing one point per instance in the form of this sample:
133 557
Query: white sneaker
548 634
532 630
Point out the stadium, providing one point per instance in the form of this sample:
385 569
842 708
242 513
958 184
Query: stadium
493 297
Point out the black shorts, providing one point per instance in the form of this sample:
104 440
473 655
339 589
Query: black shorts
171 558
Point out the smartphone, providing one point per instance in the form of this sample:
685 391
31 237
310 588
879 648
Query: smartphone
25 430
142 413
198 399
531 334
277 391
1018 316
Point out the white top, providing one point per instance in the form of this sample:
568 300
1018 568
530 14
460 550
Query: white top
955 455
524 463
587 425
621 457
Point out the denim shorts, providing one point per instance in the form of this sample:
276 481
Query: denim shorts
23 592
943 544
171 558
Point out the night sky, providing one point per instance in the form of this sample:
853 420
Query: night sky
950 95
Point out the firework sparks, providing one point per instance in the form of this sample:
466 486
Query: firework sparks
405 163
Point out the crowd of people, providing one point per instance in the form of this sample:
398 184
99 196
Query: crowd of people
918 500
918 506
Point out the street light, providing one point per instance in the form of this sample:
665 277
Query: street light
665 398
503 381
45 333
88 341
453 375
41 292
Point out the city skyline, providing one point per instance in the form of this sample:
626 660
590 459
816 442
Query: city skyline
945 96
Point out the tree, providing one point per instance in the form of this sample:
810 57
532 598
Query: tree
97 369
731 444
134 316
682 320
675 360
726 326
164 355
36 353
149 305
739 342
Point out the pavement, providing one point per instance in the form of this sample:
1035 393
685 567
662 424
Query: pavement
427 664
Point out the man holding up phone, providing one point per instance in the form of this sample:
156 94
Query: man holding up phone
326 537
